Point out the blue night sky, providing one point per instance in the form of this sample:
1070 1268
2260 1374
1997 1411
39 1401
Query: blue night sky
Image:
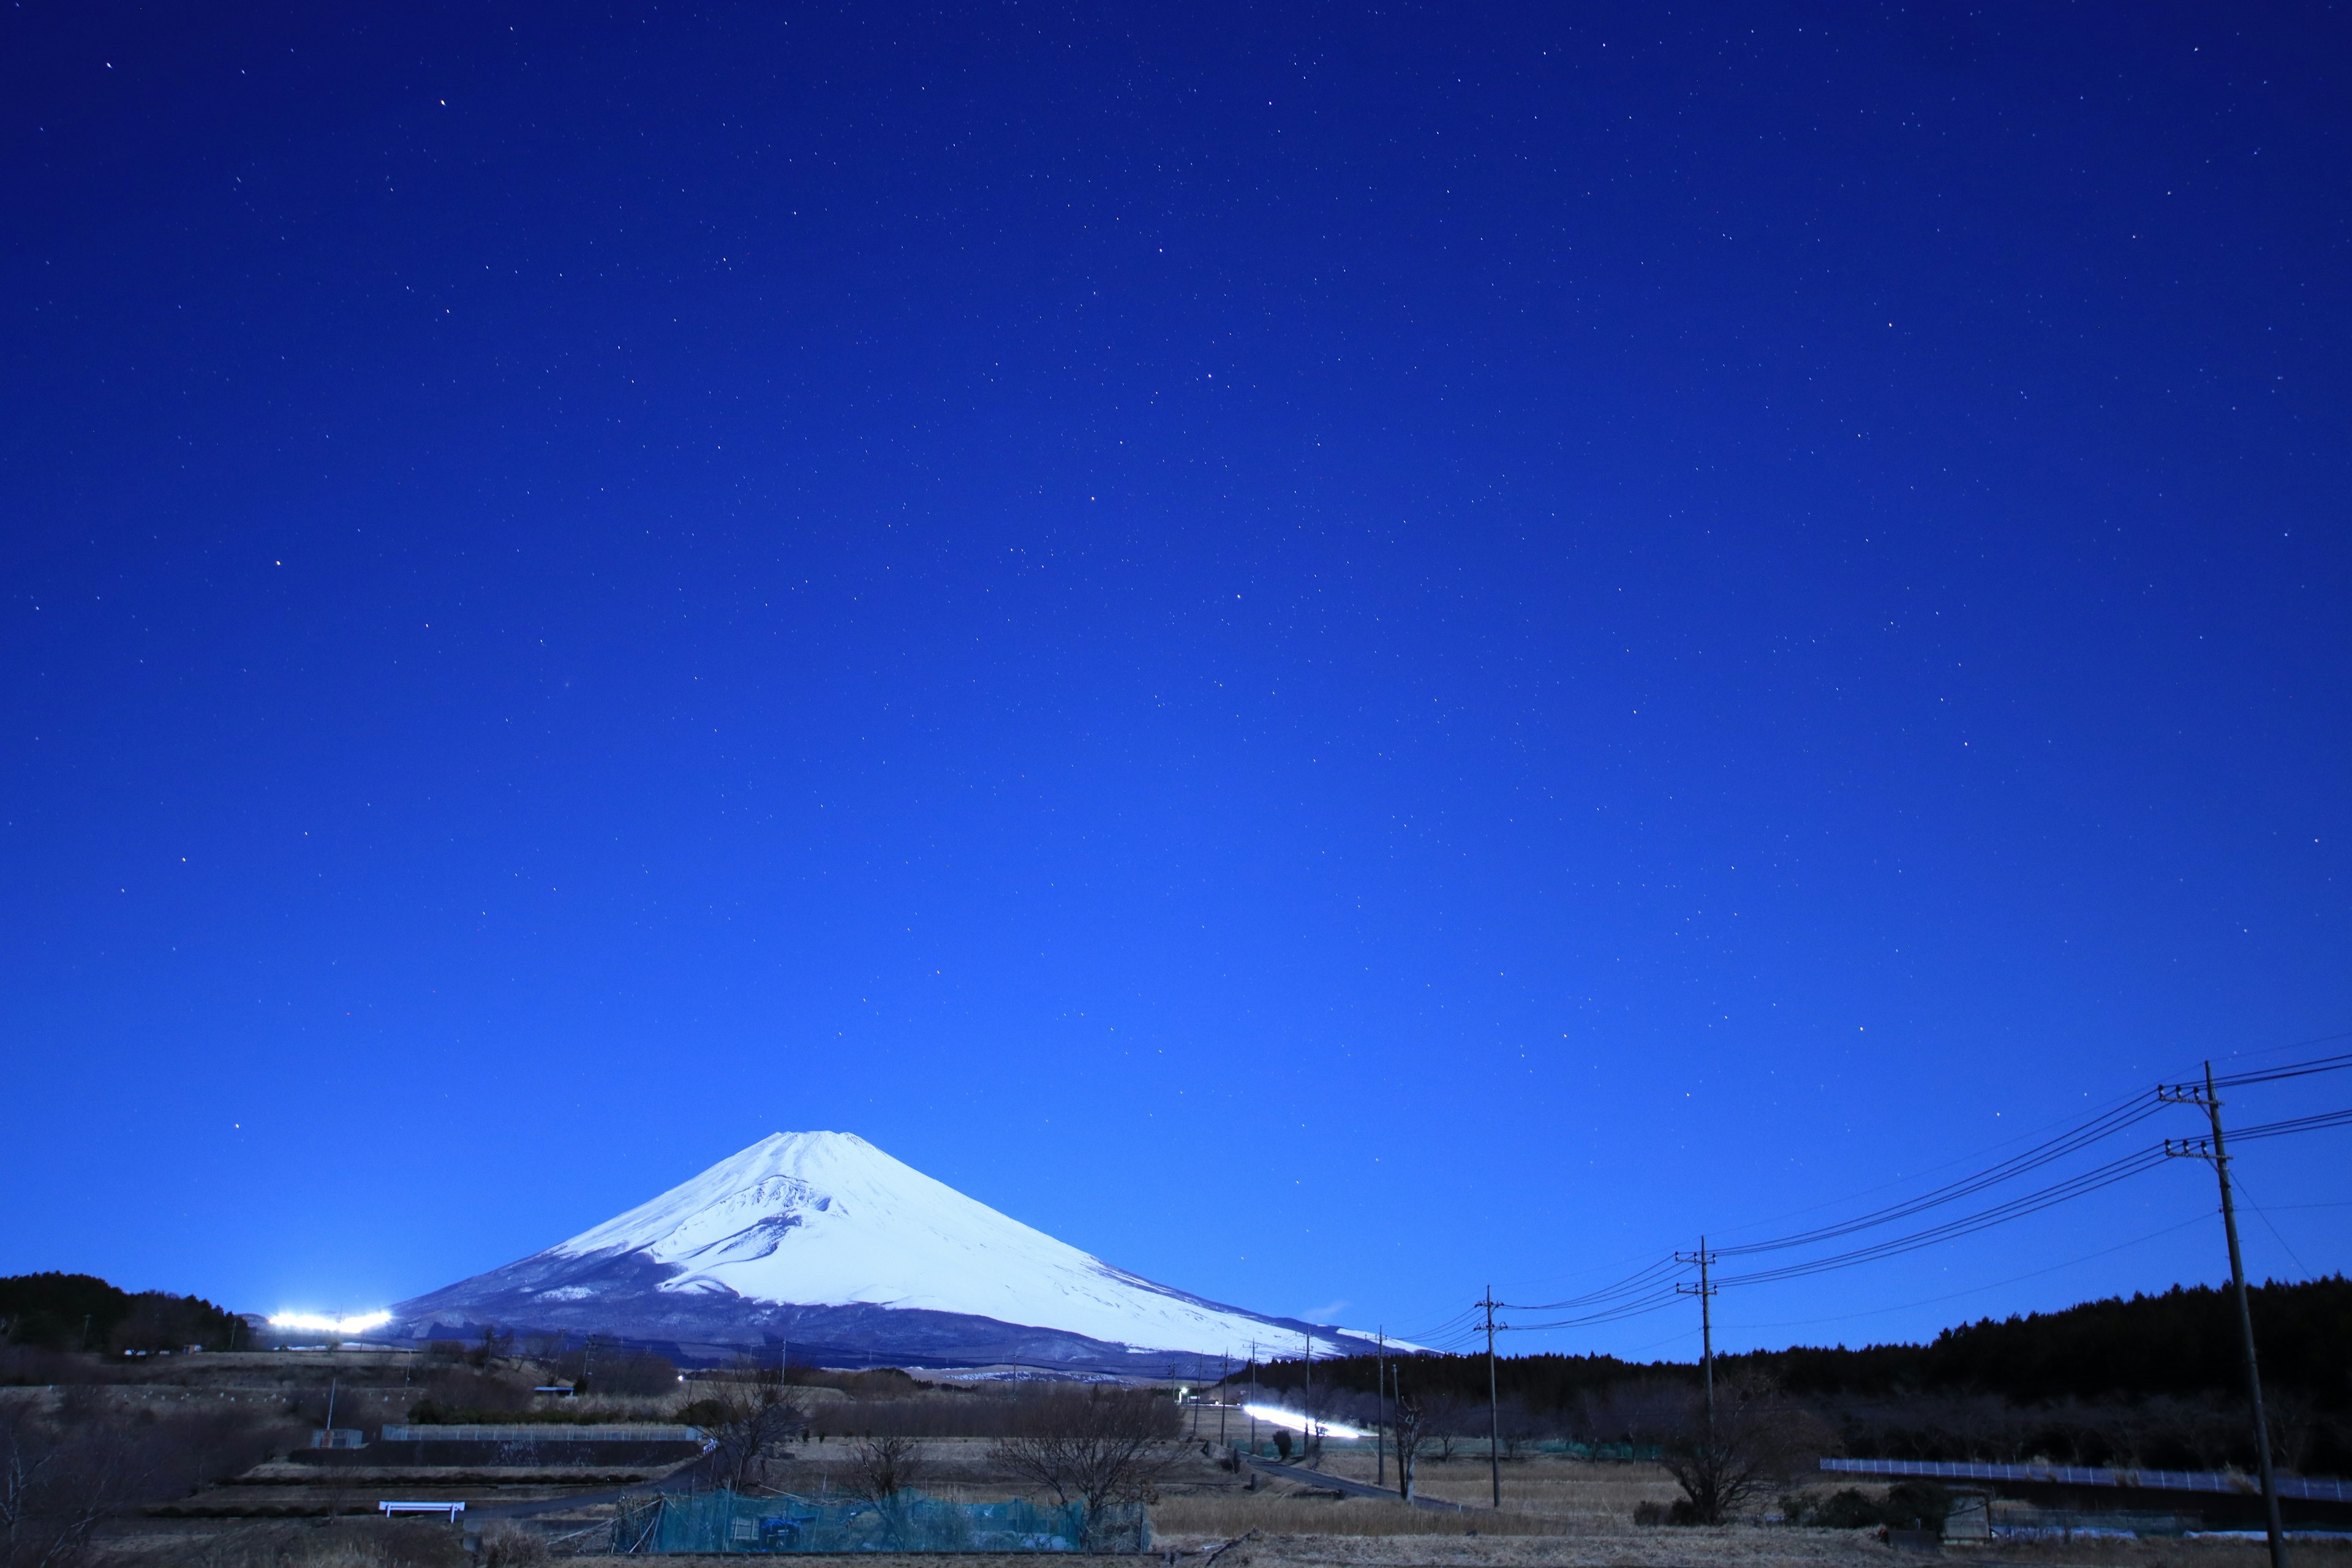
1336 652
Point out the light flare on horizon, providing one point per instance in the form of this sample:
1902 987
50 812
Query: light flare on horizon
1275 1415
357 1324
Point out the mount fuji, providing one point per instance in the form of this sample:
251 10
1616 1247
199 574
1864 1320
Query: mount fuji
850 1257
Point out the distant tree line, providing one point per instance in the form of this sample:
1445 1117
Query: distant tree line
2152 1381
82 1312
2181 1343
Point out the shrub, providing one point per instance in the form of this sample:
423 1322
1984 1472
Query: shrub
1847 1510
506 1544
1926 1504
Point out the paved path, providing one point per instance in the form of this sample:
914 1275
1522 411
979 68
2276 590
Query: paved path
1340 1484
680 1478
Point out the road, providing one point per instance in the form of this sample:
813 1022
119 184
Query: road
1300 1473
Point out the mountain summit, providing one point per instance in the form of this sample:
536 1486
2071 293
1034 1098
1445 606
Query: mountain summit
855 1259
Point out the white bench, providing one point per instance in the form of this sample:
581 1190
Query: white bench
452 1509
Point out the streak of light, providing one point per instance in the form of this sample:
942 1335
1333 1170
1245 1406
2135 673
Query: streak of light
359 1323
1275 1415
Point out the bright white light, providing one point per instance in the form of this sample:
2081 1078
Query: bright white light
1275 1415
318 1325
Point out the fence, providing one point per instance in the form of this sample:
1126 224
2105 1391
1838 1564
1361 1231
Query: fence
2011 1523
545 1432
725 1522
1476 1448
2228 1482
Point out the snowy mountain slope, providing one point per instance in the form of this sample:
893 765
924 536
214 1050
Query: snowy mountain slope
824 1237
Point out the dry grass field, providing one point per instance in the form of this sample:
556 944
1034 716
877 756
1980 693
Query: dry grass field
1556 1511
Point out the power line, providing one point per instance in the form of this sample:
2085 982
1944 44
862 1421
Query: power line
2296 1124
2290 1046
1631 1283
2030 1202
2072 1140
2247 1194
2036 1131
1989 1285
1652 1288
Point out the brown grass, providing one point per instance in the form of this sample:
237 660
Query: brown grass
1574 1496
1224 1515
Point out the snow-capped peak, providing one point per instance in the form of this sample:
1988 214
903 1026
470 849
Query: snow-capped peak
828 1219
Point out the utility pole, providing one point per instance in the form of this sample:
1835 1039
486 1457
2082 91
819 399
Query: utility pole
1307 1395
1224 1370
1252 1405
2213 1152
1405 1475
1705 1292
1494 1406
1380 1432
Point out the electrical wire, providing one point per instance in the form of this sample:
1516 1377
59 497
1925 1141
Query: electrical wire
1993 1285
1646 1290
2276 1050
2026 1203
1639 1309
2246 1193
2293 1125
1632 1282
2040 1130
2072 1140
2296 1070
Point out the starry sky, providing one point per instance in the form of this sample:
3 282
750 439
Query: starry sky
1339 652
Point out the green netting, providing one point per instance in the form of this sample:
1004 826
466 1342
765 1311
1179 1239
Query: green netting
727 1521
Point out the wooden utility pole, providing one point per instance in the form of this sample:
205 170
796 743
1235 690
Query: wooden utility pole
2215 1152
1252 1405
1404 1460
1380 1432
1494 1406
1307 1395
1224 1370
1705 1292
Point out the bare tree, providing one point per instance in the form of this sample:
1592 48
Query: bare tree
1096 1447
1755 1438
1520 1426
748 1421
1405 1430
2290 1415
1444 1422
882 1468
64 1472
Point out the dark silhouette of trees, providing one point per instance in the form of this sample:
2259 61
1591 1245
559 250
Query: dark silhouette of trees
1756 1438
83 1312
2181 1343
1405 1431
1092 1446
64 1470
749 1420
881 1468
